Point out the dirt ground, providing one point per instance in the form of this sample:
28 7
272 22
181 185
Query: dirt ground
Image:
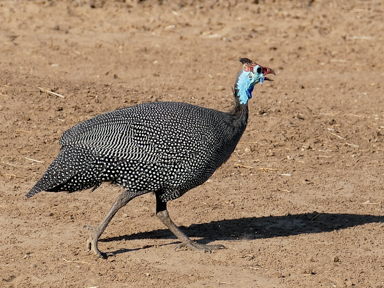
298 204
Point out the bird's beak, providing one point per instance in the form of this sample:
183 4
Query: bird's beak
267 71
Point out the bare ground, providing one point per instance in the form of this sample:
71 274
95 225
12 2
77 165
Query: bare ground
299 203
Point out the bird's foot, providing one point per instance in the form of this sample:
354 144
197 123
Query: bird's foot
92 245
89 227
199 247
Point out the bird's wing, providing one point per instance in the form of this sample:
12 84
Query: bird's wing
122 134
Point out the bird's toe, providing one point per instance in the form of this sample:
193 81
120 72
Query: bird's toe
89 227
199 247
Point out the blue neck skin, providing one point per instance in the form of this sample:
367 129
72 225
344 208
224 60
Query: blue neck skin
245 83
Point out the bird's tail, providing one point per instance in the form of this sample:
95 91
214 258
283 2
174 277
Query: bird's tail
36 189
68 163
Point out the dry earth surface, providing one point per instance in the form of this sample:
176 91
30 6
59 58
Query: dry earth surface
298 204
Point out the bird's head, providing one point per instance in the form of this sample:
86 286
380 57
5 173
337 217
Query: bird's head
251 74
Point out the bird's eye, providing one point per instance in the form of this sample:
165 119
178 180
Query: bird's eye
259 70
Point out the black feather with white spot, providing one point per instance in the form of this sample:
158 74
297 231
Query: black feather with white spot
163 146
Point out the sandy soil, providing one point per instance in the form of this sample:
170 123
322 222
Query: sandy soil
299 203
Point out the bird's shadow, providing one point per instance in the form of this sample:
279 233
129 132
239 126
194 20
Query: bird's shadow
257 228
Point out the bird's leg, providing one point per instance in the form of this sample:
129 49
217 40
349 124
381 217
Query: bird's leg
163 215
120 202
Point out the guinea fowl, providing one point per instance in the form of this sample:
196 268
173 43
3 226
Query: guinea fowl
163 147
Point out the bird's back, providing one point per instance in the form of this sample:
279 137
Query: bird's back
166 146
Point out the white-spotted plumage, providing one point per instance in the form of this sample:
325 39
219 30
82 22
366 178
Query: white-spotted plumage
163 147
166 146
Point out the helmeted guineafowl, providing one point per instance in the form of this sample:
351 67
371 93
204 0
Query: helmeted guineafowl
163 147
